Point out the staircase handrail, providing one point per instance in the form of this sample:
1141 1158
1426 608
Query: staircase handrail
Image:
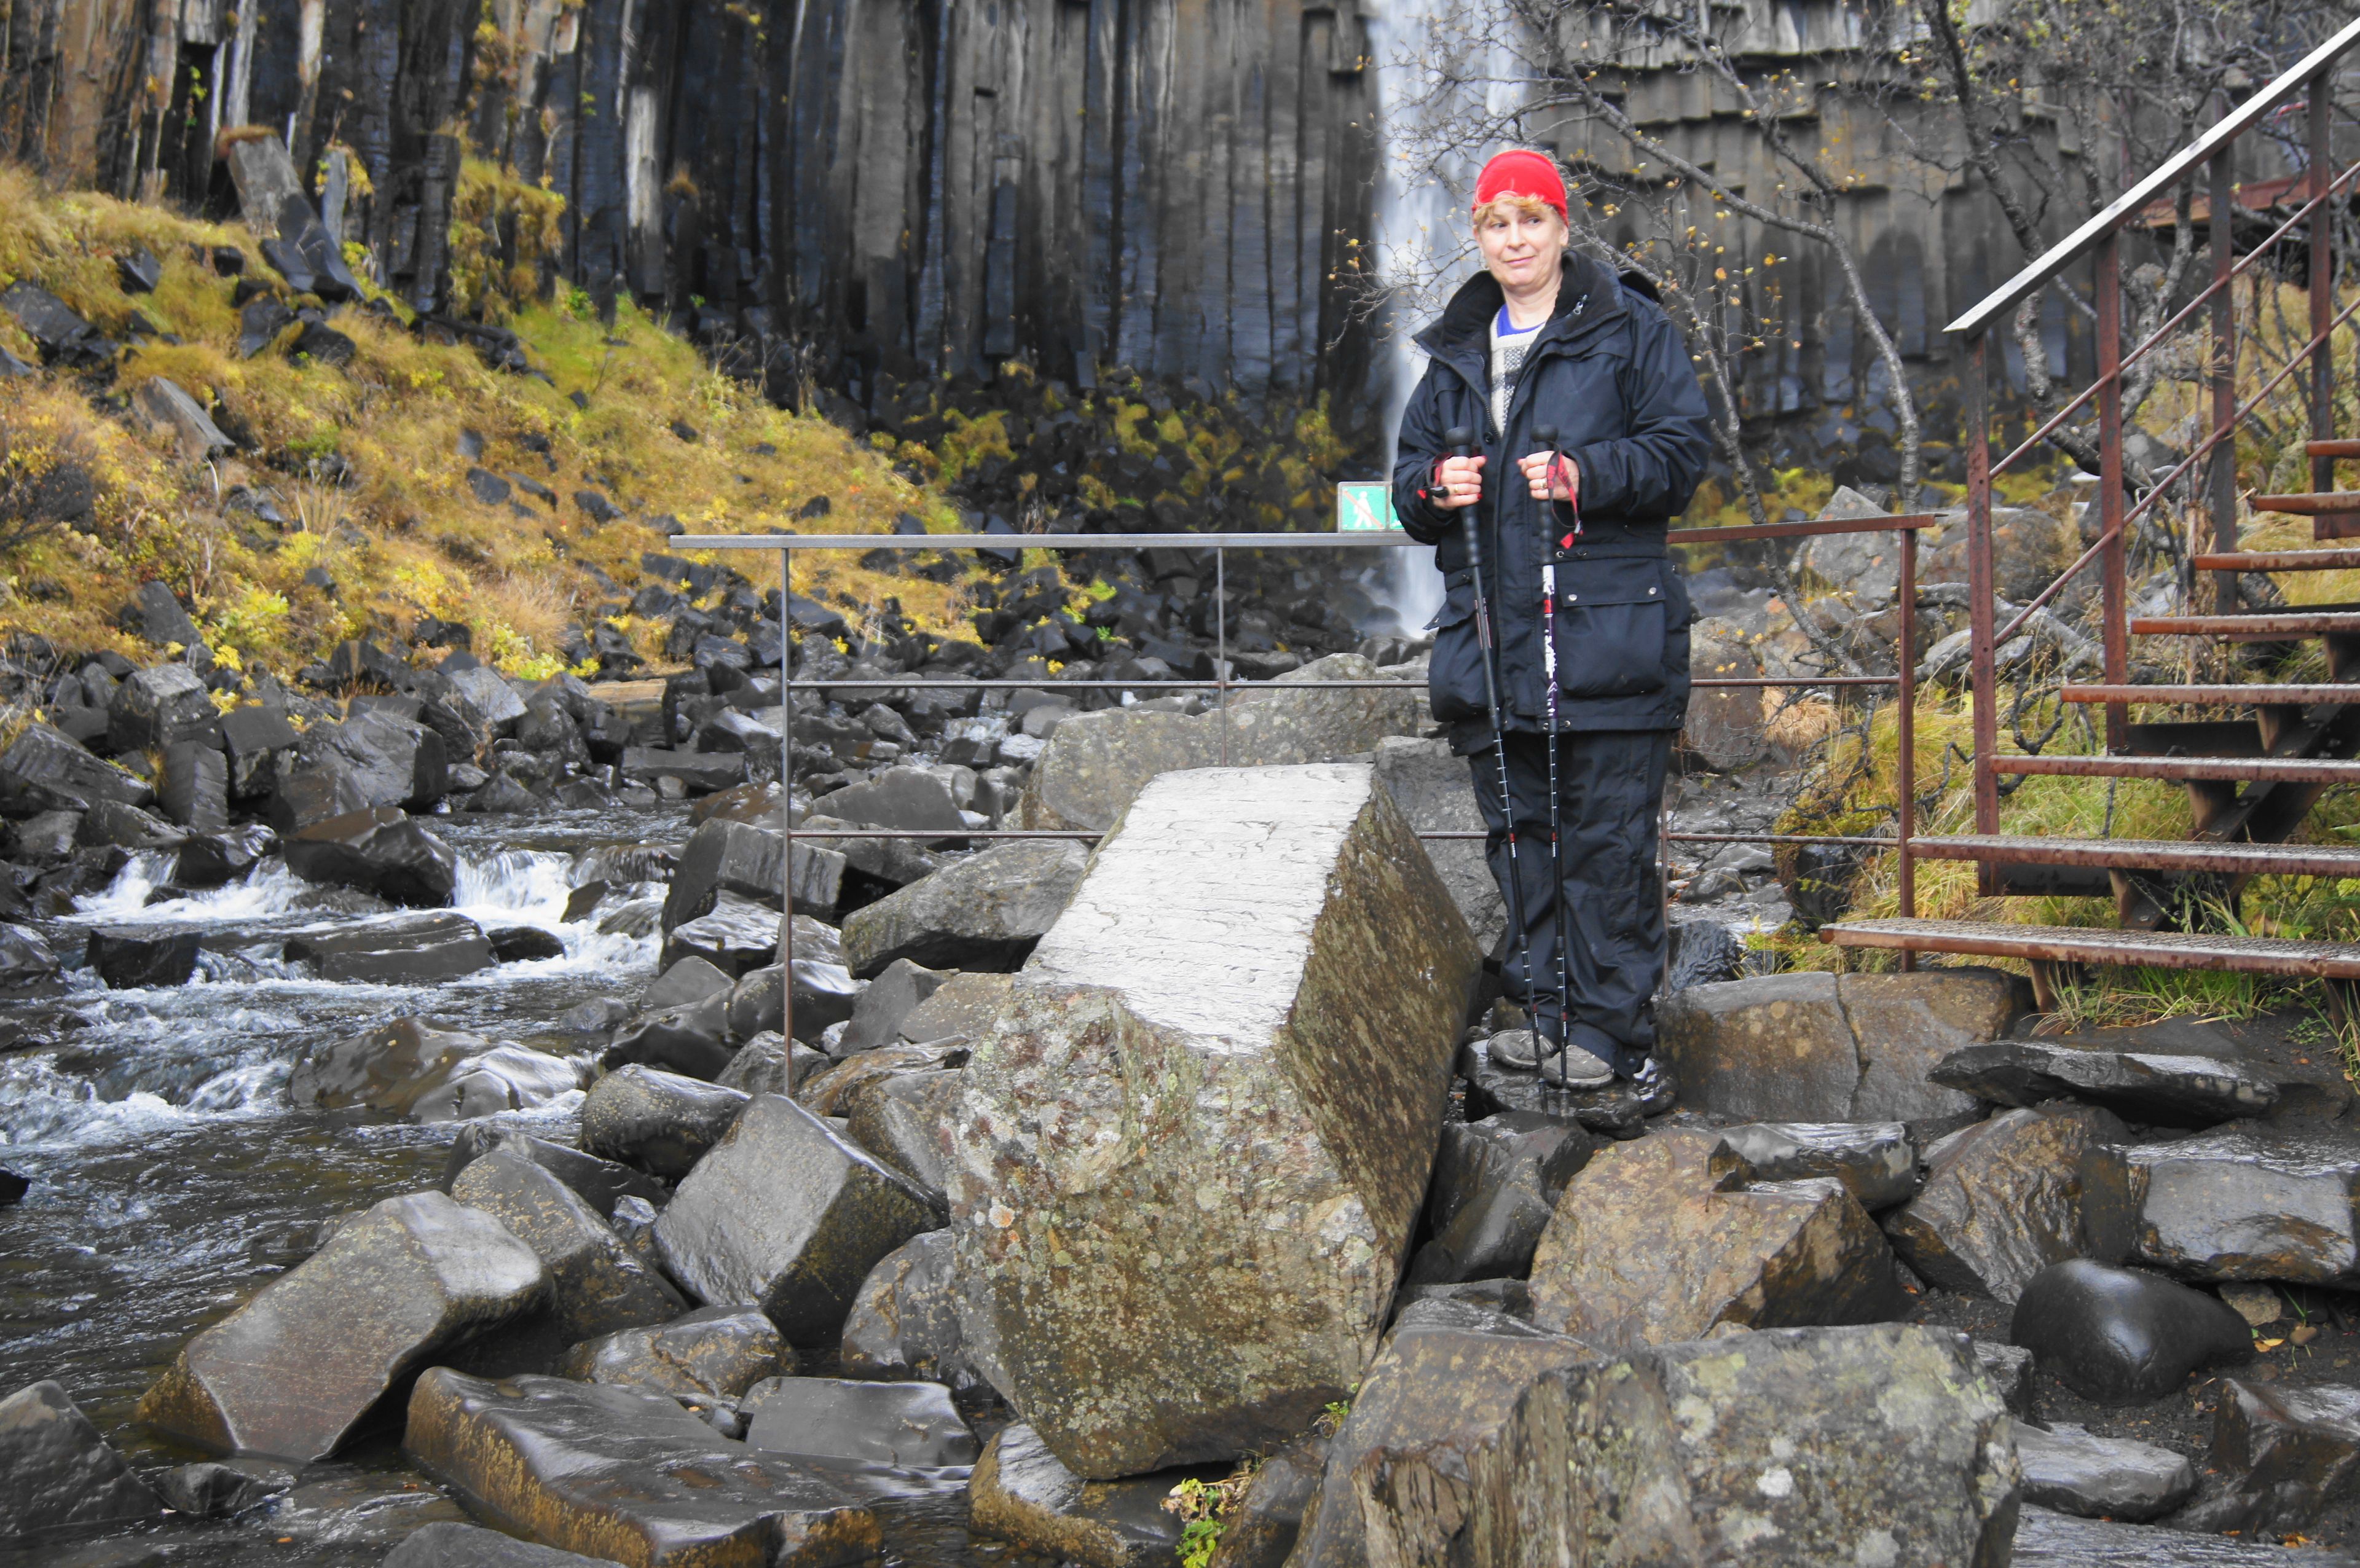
2045 267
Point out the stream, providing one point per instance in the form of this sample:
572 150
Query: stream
172 1179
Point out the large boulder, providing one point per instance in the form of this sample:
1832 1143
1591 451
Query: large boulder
309 1363
416 1068
1813 1047
45 770
2122 1336
692 1039
911 799
904 1324
2005 1199
377 758
1882 1444
379 851
2282 1456
1724 728
1662 1240
57 1475
736 936
596 1285
903 1118
134 956
1495 1184
985 912
787 1215
1436 791
2246 1204
848 1421
2148 1087
2070 1469
415 949
1876 1162
157 706
601 1183
627 1473
724 856
1096 763
1244 1019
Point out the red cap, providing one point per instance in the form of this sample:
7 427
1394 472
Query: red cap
1520 172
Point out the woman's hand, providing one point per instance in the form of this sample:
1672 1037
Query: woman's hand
1458 482
1564 485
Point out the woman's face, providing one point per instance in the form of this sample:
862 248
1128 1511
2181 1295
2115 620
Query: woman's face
1521 251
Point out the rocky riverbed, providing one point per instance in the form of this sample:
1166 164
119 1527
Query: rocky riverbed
413 1128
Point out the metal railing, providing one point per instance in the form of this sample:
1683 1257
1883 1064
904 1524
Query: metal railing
787 546
2308 85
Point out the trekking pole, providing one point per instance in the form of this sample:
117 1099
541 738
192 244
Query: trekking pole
1547 435
1462 443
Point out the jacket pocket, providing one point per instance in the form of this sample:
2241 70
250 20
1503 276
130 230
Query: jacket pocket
1613 625
1454 676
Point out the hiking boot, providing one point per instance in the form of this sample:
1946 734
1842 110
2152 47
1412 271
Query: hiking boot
1515 1050
1574 1068
1657 1087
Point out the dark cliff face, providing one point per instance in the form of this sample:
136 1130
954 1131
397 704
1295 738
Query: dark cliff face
913 185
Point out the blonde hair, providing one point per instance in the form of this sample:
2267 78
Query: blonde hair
1513 205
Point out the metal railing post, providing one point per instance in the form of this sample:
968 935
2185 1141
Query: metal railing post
2323 278
2224 378
1221 643
2114 590
786 806
1982 677
1905 772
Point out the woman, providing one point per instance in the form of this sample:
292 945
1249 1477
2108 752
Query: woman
1544 340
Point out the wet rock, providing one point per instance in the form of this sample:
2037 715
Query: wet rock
413 949
157 706
1724 729
12 1187
2122 1336
690 980
490 702
381 851
217 859
1250 944
895 862
24 957
770 1065
2048 1540
2068 1469
214 1490
64 338
449 1544
1495 1181
57 1475
47 839
43 770
1876 1162
377 758
257 738
1811 1047
307 1362
1436 793
1097 763
909 1425
601 1183
2009 1368
1661 1240
891 996
415 1068
1021 1492
712 1353
906 798
961 1008
2152 1089
2242 1203
195 788
1263 1527
726 856
985 912
2281 1456
2005 1198
596 1285
904 1120
830 1092
109 825
824 995
659 1121
904 1324
625 1473
787 1213
737 936
693 1040
524 944
130 957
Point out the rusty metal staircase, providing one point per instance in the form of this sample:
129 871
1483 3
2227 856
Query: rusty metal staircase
2256 768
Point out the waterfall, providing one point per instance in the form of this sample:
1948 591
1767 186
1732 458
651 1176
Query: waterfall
1421 248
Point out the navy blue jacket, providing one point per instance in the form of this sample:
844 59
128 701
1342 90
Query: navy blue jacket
1610 371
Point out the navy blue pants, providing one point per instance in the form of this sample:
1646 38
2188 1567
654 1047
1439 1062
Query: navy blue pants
1609 786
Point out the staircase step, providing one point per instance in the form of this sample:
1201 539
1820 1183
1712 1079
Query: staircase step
2259 626
2343 447
2149 854
2072 945
2194 737
2279 560
2247 769
2259 694
2316 503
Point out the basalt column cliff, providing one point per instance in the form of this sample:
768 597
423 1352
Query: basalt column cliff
1181 186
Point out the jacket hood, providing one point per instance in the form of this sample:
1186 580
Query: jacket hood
1466 321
